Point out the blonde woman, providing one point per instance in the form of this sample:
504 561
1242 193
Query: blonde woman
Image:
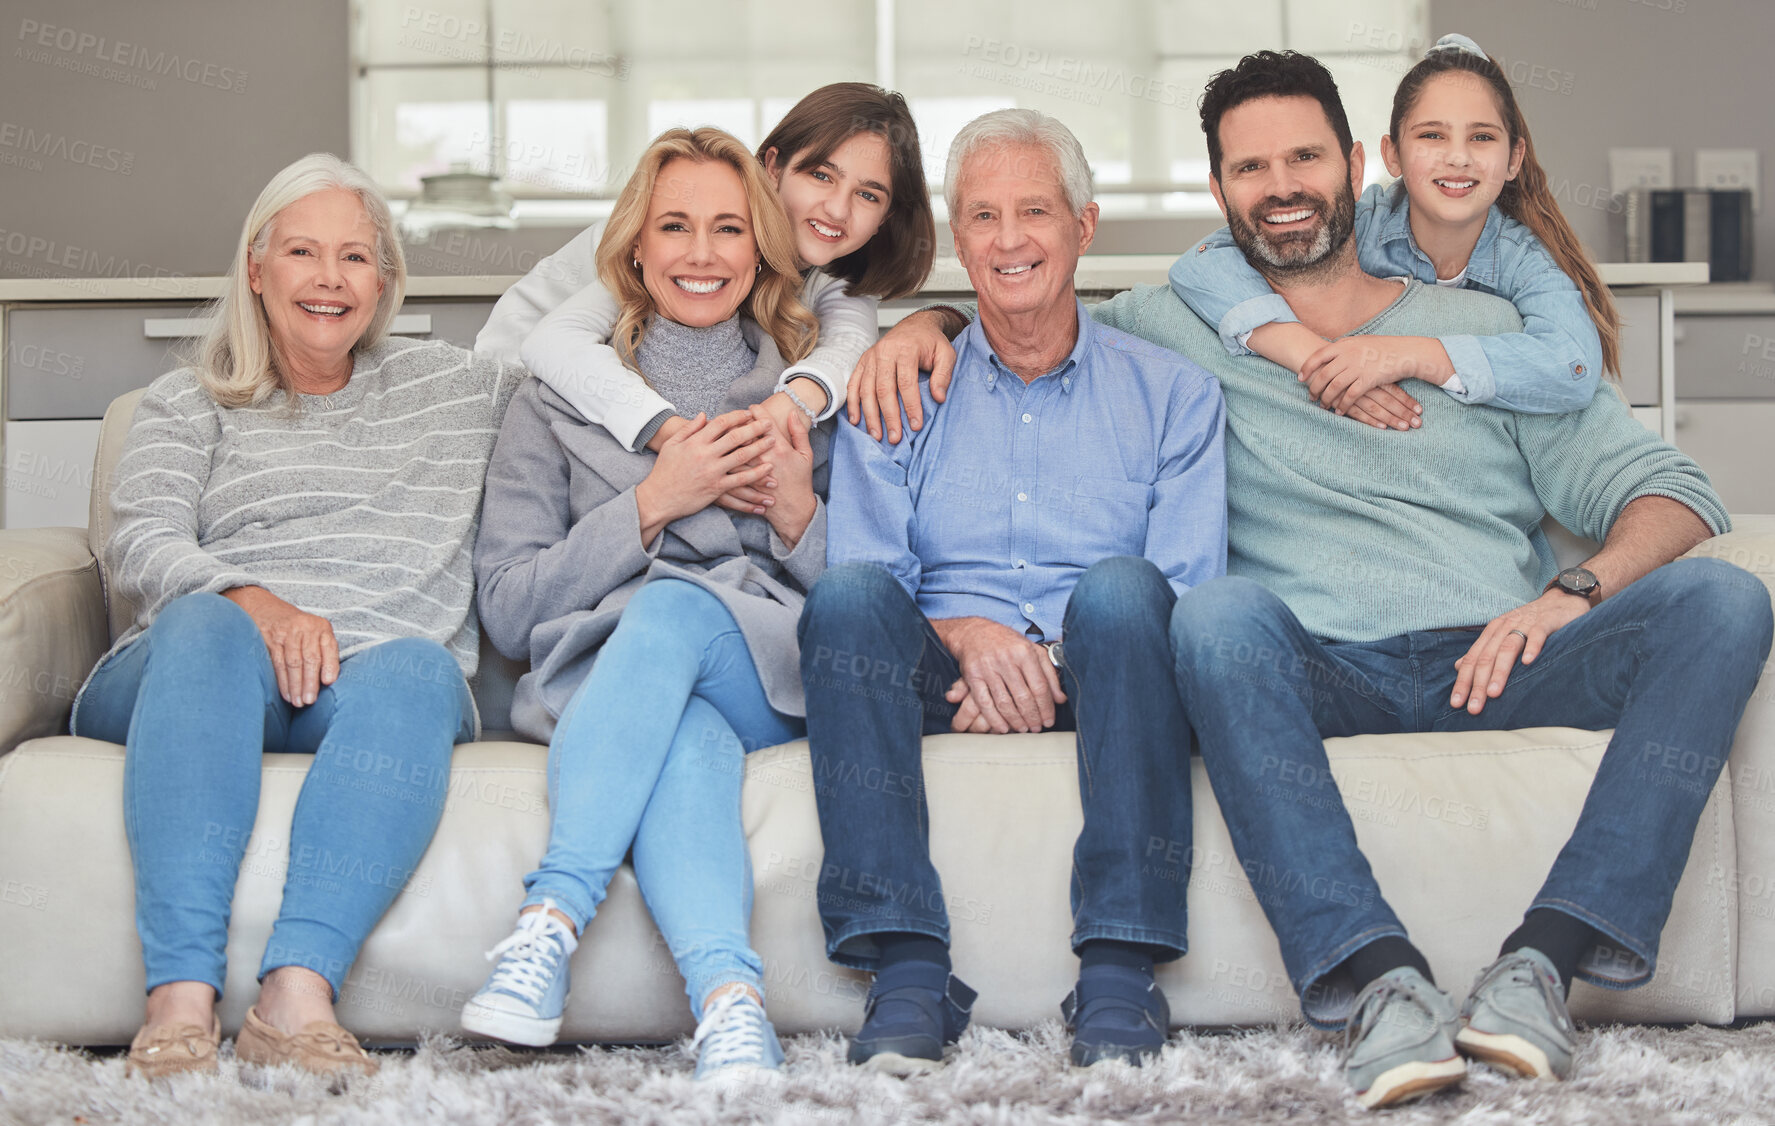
294 519
660 627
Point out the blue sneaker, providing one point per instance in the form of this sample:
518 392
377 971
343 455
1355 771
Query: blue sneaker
915 1010
1399 1042
734 1043
1115 1013
523 1000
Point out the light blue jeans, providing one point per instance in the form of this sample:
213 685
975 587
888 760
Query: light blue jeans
195 702
650 754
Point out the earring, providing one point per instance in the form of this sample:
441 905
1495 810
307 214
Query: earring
637 262
758 267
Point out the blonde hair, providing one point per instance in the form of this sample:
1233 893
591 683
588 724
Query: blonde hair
236 361
774 302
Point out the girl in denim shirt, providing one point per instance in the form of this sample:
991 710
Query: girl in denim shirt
1470 207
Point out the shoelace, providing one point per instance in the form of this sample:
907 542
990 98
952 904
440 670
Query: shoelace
1518 965
193 1039
332 1040
732 1031
531 955
1370 1005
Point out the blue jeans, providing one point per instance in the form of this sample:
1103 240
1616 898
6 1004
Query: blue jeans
875 673
194 700
650 753
1669 663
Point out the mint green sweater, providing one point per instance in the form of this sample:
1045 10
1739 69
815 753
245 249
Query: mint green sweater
1367 534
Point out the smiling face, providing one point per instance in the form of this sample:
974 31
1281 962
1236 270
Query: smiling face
1015 233
318 279
1288 194
1453 150
697 252
837 205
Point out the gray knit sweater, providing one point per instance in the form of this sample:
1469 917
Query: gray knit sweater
361 506
693 367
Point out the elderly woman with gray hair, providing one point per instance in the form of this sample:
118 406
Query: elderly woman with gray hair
295 518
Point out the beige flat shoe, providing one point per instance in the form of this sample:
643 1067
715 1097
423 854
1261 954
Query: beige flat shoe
322 1048
174 1050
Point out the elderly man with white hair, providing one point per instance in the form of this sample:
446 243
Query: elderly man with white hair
1011 568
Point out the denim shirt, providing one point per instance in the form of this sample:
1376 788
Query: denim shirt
1550 367
996 508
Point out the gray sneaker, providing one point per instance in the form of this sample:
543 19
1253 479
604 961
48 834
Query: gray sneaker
1399 1042
1515 1018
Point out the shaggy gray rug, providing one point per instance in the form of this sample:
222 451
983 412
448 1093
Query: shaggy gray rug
1622 1076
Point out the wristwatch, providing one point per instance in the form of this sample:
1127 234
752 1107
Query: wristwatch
1578 581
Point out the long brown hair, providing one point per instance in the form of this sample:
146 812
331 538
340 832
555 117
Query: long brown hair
896 261
774 302
1526 199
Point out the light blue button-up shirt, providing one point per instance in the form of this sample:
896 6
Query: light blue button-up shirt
1011 490
1550 367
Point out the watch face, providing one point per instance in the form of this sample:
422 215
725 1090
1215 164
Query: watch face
1577 580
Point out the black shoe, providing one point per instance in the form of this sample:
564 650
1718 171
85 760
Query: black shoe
914 1011
1115 1013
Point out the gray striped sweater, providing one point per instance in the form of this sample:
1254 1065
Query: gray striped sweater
360 507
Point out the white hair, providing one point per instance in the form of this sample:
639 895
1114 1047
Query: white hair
235 361
1004 127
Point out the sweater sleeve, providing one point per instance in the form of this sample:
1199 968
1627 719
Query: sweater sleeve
570 351
848 328
533 561
550 282
1586 466
807 559
153 555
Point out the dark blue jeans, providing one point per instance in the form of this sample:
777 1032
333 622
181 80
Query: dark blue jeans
1669 663
875 674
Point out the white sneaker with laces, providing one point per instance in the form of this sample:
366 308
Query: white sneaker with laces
735 1041
524 998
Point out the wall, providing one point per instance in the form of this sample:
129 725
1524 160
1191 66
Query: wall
135 134
1682 74
147 166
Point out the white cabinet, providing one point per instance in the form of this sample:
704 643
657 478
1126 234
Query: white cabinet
48 469
1734 441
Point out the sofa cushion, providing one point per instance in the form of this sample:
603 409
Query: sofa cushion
1461 829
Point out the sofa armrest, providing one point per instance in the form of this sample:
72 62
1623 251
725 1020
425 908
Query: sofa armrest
1751 769
52 628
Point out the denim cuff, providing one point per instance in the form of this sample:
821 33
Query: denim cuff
1470 363
313 946
1250 315
1166 945
1622 963
575 906
855 948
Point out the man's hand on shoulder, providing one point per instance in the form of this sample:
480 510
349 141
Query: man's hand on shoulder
1007 682
887 374
1516 636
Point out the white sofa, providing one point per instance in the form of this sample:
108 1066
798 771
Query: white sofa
1460 829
